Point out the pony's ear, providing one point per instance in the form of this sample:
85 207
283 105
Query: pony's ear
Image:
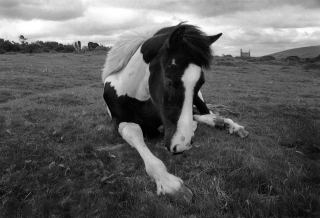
176 36
214 38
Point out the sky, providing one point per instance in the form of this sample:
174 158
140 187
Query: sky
261 26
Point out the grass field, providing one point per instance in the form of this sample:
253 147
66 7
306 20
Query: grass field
60 158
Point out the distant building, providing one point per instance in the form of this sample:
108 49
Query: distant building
244 54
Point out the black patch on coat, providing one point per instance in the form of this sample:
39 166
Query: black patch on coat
127 109
201 106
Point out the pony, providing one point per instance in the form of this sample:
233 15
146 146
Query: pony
152 80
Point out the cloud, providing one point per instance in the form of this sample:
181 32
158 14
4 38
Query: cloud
281 17
213 8
106 21
58 10
207 8
266 31
262 26
102 25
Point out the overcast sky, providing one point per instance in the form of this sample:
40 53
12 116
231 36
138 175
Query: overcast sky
263 26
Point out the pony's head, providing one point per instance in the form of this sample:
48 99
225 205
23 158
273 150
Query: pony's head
177 57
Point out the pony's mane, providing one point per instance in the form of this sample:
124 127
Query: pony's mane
122 51
197 44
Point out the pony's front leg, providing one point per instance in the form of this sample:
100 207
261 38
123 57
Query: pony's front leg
219 121
166 182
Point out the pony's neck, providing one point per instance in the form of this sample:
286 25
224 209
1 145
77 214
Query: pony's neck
122 51
133 79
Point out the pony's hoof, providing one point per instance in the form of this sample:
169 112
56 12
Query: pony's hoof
183 196
242 133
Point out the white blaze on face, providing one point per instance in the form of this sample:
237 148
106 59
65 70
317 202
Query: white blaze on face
182 138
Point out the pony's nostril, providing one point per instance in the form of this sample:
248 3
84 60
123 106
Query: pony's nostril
174 149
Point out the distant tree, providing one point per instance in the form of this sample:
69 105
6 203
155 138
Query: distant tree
33 47
41 43
10 46
2 51
51 45
60 48
43 46
23 40
68 49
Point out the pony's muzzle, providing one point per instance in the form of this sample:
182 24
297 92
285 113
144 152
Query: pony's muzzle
176 153
180 148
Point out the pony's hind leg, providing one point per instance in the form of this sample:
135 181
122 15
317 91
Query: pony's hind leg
222 122
167 183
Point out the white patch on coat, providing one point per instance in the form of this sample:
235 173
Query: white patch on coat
200 96
133 79
122 51
185 123
109 112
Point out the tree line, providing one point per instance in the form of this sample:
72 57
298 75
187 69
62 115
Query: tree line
34 47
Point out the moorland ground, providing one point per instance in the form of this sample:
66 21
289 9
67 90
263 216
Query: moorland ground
60 158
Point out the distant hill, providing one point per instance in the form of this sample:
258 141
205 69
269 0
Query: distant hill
304 52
